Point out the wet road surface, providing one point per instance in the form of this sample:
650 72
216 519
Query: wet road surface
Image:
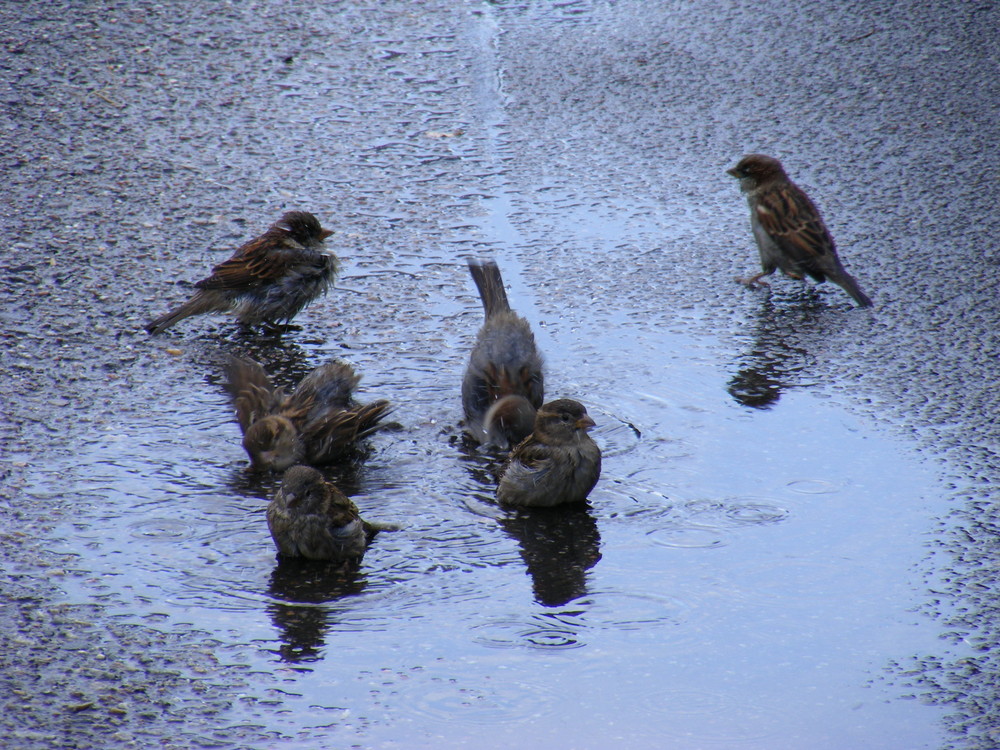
793 540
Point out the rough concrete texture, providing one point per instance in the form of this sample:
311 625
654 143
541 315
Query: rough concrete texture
584 145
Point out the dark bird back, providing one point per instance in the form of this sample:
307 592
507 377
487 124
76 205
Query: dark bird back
503 364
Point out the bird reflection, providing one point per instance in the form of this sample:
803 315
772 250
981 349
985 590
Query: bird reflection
308 588
285 362
558 545
773 362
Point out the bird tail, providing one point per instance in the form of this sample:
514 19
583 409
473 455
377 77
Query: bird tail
369 417
486 274
198 304
846 282
336 436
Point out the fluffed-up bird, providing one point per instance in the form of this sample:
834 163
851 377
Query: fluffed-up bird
310 517
268 280
317 423
789 230
503 383
558 463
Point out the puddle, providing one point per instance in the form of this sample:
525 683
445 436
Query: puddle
747 573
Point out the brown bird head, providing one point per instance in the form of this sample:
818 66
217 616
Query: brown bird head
303 489
754 170
561 422
303 227
273 444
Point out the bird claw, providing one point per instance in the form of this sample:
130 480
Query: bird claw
753 282
276 329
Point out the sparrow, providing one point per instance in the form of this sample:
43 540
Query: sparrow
789 230
268 280
558 463
318 423
503 383
309 517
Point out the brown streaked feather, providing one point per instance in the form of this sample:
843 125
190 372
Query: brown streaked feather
337 431
793 222
254 403
529 452
329 385
264 259
253 394
340 510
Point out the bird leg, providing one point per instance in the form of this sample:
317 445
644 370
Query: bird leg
755 282
277 329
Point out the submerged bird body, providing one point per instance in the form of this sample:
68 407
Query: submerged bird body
268 280
788 228
503 383
318 423
558 463
309 517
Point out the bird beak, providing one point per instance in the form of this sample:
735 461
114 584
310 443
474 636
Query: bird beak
324 233
734 173
585 422
291 499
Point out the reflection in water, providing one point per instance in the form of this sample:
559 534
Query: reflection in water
774 361
558 545
302 629
282 358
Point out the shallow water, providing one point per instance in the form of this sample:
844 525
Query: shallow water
779 553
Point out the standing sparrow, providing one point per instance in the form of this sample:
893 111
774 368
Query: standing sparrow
309 517
268 280
789 231
557 463
318 423
503 383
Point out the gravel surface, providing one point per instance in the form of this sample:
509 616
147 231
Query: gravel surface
140 142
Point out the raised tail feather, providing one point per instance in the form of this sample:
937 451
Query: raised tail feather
336 436
486 274
370 417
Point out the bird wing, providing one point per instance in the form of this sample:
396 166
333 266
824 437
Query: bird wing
341 510
328 386
793 222
253 394
334 432
263 259
528 457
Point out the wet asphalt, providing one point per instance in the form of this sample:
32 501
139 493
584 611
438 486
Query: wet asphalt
583 144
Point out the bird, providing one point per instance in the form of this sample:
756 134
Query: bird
268 280
558 463
317 423
310 517
789 230
503 384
